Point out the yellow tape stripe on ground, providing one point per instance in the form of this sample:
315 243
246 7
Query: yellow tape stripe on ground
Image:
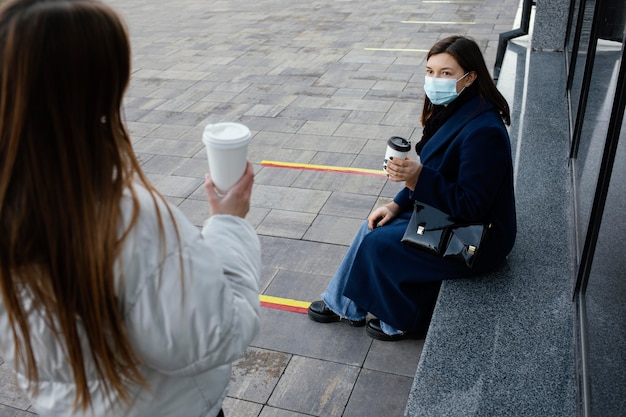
283 301
313 167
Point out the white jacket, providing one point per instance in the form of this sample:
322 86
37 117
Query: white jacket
185 331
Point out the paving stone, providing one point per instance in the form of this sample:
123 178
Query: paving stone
281 177
390 86
140 130
289 224
333 229
399 358
274 139
375 162
344 80
391 189
277 412
399 119
289 199
300 389
413 108
296 334
351 93
196 210
356 206
301 256
351 104
256 215
175 105
313 127
378 394
239 408
6 411
216 112
308 101
174 186
193 167
297 285
265 110
182 148
269 153
162 164
326 143
142 158
272 124
173 117
334 181
132 114
315 114
334 159
363 117
169 131
144 103
256 374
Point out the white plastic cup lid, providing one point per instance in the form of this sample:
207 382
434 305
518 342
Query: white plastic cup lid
226 135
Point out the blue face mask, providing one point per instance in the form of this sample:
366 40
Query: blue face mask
441 90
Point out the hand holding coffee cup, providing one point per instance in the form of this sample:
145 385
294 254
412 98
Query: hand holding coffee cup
227 152
397 147
236 201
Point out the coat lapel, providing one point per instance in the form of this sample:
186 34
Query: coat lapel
449 130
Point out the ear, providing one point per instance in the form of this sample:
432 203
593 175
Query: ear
471 77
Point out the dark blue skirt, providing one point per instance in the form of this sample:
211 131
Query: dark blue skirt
399 284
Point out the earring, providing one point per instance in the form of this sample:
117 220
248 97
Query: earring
103 119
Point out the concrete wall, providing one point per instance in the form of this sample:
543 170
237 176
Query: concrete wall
550 25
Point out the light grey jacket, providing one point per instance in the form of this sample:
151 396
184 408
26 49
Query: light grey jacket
186 331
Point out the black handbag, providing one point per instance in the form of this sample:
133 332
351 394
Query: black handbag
437 232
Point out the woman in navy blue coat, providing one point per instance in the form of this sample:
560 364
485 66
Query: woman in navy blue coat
464 168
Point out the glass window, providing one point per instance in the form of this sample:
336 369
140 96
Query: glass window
605 305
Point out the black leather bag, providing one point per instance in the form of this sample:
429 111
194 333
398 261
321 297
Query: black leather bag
437 232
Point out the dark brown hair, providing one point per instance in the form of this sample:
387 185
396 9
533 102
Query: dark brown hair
65 161
467 54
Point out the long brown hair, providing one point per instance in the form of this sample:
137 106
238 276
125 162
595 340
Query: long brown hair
65 161
467 54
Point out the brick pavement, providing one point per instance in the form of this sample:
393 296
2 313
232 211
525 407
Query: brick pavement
318 82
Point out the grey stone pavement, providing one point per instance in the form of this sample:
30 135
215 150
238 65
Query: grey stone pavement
322 82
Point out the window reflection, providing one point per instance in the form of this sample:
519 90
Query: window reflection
594 129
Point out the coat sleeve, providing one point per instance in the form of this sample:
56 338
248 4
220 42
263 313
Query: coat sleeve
190 323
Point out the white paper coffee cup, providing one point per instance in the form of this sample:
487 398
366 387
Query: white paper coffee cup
397 147
227 152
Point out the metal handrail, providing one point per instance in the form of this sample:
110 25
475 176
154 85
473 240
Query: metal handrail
505 37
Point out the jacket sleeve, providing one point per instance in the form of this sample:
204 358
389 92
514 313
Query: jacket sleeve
184 325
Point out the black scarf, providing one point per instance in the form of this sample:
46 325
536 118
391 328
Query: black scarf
441 114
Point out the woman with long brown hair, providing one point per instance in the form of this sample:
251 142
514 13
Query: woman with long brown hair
113 303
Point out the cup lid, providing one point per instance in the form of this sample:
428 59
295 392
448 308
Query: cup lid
399 144
226 134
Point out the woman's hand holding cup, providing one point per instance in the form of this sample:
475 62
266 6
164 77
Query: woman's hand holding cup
236 201
407 170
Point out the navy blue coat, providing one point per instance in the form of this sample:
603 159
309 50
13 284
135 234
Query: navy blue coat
467 173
